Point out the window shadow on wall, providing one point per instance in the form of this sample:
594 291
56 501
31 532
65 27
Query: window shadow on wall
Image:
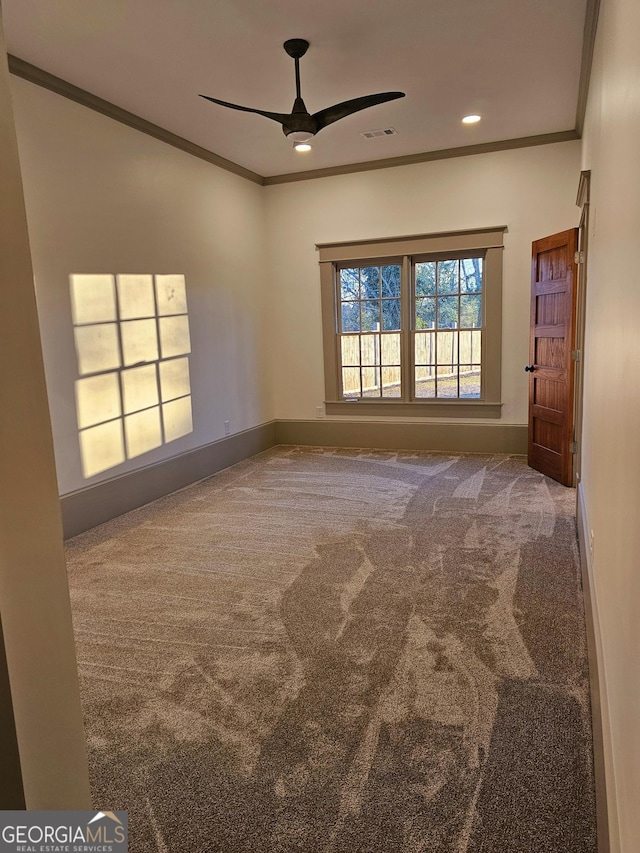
132 344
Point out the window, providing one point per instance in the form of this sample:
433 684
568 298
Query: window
413 325
369 330
448 322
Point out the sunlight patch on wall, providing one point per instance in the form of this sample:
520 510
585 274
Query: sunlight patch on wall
132 344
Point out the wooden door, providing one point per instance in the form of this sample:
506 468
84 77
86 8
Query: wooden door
551 373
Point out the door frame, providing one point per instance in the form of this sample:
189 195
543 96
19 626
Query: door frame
583 202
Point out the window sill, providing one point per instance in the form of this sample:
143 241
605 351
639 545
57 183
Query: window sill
418 408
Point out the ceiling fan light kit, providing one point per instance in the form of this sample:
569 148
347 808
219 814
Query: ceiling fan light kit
300 126
301 140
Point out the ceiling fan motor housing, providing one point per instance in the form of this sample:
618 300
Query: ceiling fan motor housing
300 121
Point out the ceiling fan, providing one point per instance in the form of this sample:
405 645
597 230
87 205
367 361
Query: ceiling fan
300 125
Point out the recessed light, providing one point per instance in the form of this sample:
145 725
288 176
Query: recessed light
302 146
471 119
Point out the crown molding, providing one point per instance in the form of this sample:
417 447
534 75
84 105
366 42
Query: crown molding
55 84
588 45
427 156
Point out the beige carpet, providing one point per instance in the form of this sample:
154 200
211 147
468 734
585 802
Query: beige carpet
341 651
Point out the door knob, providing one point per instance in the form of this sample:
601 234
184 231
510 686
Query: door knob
529 368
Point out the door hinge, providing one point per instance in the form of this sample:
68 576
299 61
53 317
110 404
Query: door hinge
573 447
578 258
576 355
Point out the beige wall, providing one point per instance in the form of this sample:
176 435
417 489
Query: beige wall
103 198
611 455
34 598
532 191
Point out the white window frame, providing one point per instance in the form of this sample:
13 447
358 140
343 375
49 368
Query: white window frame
487 243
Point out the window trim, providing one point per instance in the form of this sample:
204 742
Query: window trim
489 241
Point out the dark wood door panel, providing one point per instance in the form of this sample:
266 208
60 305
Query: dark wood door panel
553 300
543 413
550 351
543 287
551 264
547 461
550 307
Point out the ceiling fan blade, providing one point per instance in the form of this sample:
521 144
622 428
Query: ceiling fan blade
281 118
346 108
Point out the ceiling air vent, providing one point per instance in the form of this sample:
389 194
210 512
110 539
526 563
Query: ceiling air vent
375 134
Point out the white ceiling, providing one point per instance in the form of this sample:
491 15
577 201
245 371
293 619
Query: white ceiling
516 62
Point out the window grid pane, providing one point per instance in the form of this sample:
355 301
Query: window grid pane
390 349
351 385
370 320
371 365
370 349
448 300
